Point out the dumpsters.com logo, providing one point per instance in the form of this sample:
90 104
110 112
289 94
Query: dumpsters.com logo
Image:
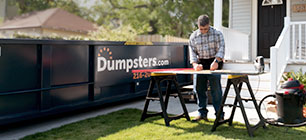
106 62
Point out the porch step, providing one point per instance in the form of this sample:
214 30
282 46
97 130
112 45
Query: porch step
296 67
303 53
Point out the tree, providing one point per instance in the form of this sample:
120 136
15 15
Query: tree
26 6
166 17
122 33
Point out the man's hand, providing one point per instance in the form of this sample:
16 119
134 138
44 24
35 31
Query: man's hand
214 66
197 67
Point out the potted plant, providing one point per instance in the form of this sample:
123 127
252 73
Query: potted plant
301 77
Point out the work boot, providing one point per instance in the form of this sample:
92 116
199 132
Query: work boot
198 118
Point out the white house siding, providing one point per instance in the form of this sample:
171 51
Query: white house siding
240 19
241 15
298 16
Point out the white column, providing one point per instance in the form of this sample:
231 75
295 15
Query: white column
288 8
273 68
218 14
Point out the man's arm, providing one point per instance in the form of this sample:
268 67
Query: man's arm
220 54
193 56
221 47
192 53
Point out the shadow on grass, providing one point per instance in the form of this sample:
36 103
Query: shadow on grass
125 124
239 131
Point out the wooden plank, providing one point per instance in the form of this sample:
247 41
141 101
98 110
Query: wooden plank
228 72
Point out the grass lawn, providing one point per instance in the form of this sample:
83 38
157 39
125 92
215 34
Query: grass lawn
125 124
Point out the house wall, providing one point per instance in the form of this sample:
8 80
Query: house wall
297 16
40 32
241 15
240 19
29 31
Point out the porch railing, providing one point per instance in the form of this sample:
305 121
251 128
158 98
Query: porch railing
239 42
279 56
298 39
289 48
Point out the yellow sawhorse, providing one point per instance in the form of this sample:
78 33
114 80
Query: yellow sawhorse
156 79
237 81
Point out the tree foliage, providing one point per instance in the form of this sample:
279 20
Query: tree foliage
122 33
26 6
166 17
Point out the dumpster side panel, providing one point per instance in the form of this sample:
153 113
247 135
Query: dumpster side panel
114 67
19 71
69 64
18 104
69 96
114 64
179 59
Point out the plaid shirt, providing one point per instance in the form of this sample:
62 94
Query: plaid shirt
206 46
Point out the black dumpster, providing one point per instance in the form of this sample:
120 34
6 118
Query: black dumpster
43 77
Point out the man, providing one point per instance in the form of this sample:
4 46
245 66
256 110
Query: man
206 48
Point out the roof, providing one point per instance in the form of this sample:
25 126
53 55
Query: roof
54 18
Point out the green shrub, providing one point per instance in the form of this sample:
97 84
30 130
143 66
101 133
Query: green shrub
299 75
50 37
109 33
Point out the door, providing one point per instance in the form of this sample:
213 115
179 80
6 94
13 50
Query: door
270 25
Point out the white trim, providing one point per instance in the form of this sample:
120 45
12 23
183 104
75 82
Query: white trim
254 33
280 56
298 22
218 14
273 69
271 2
230 22
288 9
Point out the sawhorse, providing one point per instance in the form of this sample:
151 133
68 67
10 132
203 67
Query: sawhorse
157 78
237 81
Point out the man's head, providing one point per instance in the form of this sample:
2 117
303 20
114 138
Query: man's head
203 23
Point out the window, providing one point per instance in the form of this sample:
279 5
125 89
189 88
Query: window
271 2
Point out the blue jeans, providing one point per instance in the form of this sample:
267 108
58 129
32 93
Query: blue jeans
201 88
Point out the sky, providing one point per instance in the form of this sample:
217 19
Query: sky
86 3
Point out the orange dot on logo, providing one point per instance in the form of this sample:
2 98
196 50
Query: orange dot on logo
110 53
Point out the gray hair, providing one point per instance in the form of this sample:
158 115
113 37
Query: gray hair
203 20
